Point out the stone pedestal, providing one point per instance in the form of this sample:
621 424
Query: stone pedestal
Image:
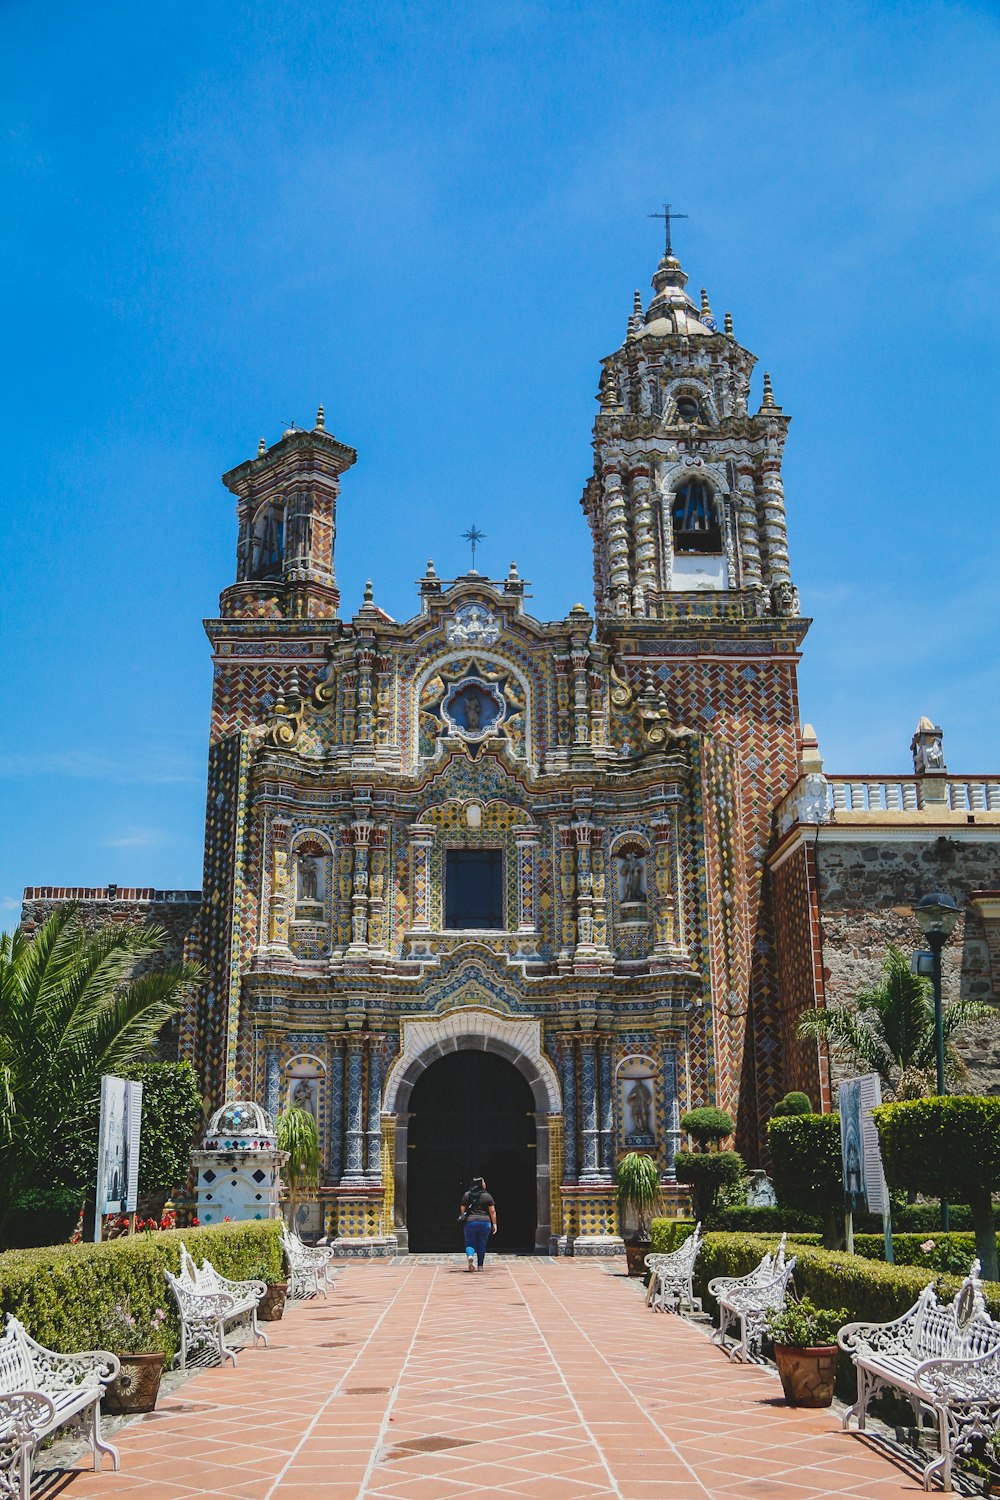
589 1222
356 1223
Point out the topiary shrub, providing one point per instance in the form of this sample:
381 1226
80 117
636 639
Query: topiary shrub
794 1103
708 1172
765 1220
949 1147
806 1168
707 1126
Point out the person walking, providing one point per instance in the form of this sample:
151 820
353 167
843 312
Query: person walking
479 1220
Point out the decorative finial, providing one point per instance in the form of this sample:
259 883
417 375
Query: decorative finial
261 448
321 419
430 569
513 574
706 312
637 304
768 403
728 324
473 536
635 318
369 595
611 396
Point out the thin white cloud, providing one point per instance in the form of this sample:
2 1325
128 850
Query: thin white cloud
151 768
10 903
137 838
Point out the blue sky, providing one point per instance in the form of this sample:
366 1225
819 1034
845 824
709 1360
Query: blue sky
431 218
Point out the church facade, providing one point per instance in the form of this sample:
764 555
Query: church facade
490 894
475 832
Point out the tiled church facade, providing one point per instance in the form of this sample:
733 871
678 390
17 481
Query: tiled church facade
633 779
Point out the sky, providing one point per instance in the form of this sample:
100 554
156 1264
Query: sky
431 218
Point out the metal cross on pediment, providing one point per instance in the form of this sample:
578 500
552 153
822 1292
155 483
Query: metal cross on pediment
474 535
667 216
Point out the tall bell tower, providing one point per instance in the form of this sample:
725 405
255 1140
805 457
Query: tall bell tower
696 606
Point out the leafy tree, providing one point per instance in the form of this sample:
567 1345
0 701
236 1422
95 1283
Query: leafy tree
708 1126
298 1134
807 1168
889 1028
72 1008
948 1147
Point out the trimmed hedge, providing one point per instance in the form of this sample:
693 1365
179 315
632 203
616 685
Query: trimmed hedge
64 1294
669 1234
869 1289
764 1220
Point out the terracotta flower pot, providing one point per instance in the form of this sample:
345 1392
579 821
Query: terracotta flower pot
272 1304
137 1385
635 1256
807 1375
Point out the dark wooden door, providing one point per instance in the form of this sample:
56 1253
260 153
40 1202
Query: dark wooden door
471 1115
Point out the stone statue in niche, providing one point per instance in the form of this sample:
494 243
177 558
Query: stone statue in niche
310 880
473 711
632 878
303 1095
640 1103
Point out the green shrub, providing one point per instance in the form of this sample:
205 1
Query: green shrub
707 1126
948 1147
708 1172
794 1103
806 1167
765 1220
915 1218
803 1325
669 1234
66 1294
952 1253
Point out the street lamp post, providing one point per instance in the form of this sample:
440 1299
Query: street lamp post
937 915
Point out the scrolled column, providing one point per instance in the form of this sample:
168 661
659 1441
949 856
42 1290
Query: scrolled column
589 1134
645 544
567 1076
374 1132
671 1114
526 841
335 1143
617 535
607 1106
354 1164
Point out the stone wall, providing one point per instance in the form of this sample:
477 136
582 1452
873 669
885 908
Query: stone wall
176 912
867 889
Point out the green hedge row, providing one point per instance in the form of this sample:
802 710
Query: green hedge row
869 1289
65 1294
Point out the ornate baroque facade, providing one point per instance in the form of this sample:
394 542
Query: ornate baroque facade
478 829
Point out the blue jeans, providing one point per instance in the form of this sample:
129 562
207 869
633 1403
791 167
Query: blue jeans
477 1236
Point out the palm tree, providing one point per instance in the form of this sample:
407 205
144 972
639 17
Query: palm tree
298 1134
72 1008
889 1028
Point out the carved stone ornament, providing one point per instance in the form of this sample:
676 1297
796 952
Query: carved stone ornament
656 721
472 625
284 722
812 805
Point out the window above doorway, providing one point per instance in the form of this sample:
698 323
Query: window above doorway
473 889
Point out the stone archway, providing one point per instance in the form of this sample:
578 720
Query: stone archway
517 1040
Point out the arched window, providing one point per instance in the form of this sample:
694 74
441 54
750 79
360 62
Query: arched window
688 409
696 519
267 543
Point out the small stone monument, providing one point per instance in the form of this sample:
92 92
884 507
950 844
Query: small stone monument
238 1171
927 747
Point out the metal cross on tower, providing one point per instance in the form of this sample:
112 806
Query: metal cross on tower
474 535
667 216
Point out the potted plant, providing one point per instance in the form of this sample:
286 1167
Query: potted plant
298 1135
638 1196
137 1384
806 1350
272 1304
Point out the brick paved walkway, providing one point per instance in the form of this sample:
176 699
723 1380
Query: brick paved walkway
536 1378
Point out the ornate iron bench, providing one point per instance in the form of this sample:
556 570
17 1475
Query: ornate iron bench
41 1391
309 1271
204 1316
746 1300
672 1275
945 1359
245 1294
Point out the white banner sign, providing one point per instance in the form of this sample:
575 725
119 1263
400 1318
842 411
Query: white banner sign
118 1147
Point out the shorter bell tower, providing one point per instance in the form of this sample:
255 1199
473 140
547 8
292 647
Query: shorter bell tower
288 523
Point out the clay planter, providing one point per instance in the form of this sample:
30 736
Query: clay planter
807 1375
635 1256
272 1304
137 1385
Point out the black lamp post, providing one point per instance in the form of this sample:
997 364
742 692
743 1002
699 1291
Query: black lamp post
937 915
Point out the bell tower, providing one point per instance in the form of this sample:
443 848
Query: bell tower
287 508
686 496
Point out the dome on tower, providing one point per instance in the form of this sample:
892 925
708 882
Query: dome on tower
672 310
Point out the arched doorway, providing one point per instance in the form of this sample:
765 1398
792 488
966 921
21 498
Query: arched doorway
471 1112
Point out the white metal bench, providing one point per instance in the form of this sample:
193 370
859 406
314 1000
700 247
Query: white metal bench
672 1275
204 1317
245 1294
309 1269
746 1301
944 1359
41 1391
